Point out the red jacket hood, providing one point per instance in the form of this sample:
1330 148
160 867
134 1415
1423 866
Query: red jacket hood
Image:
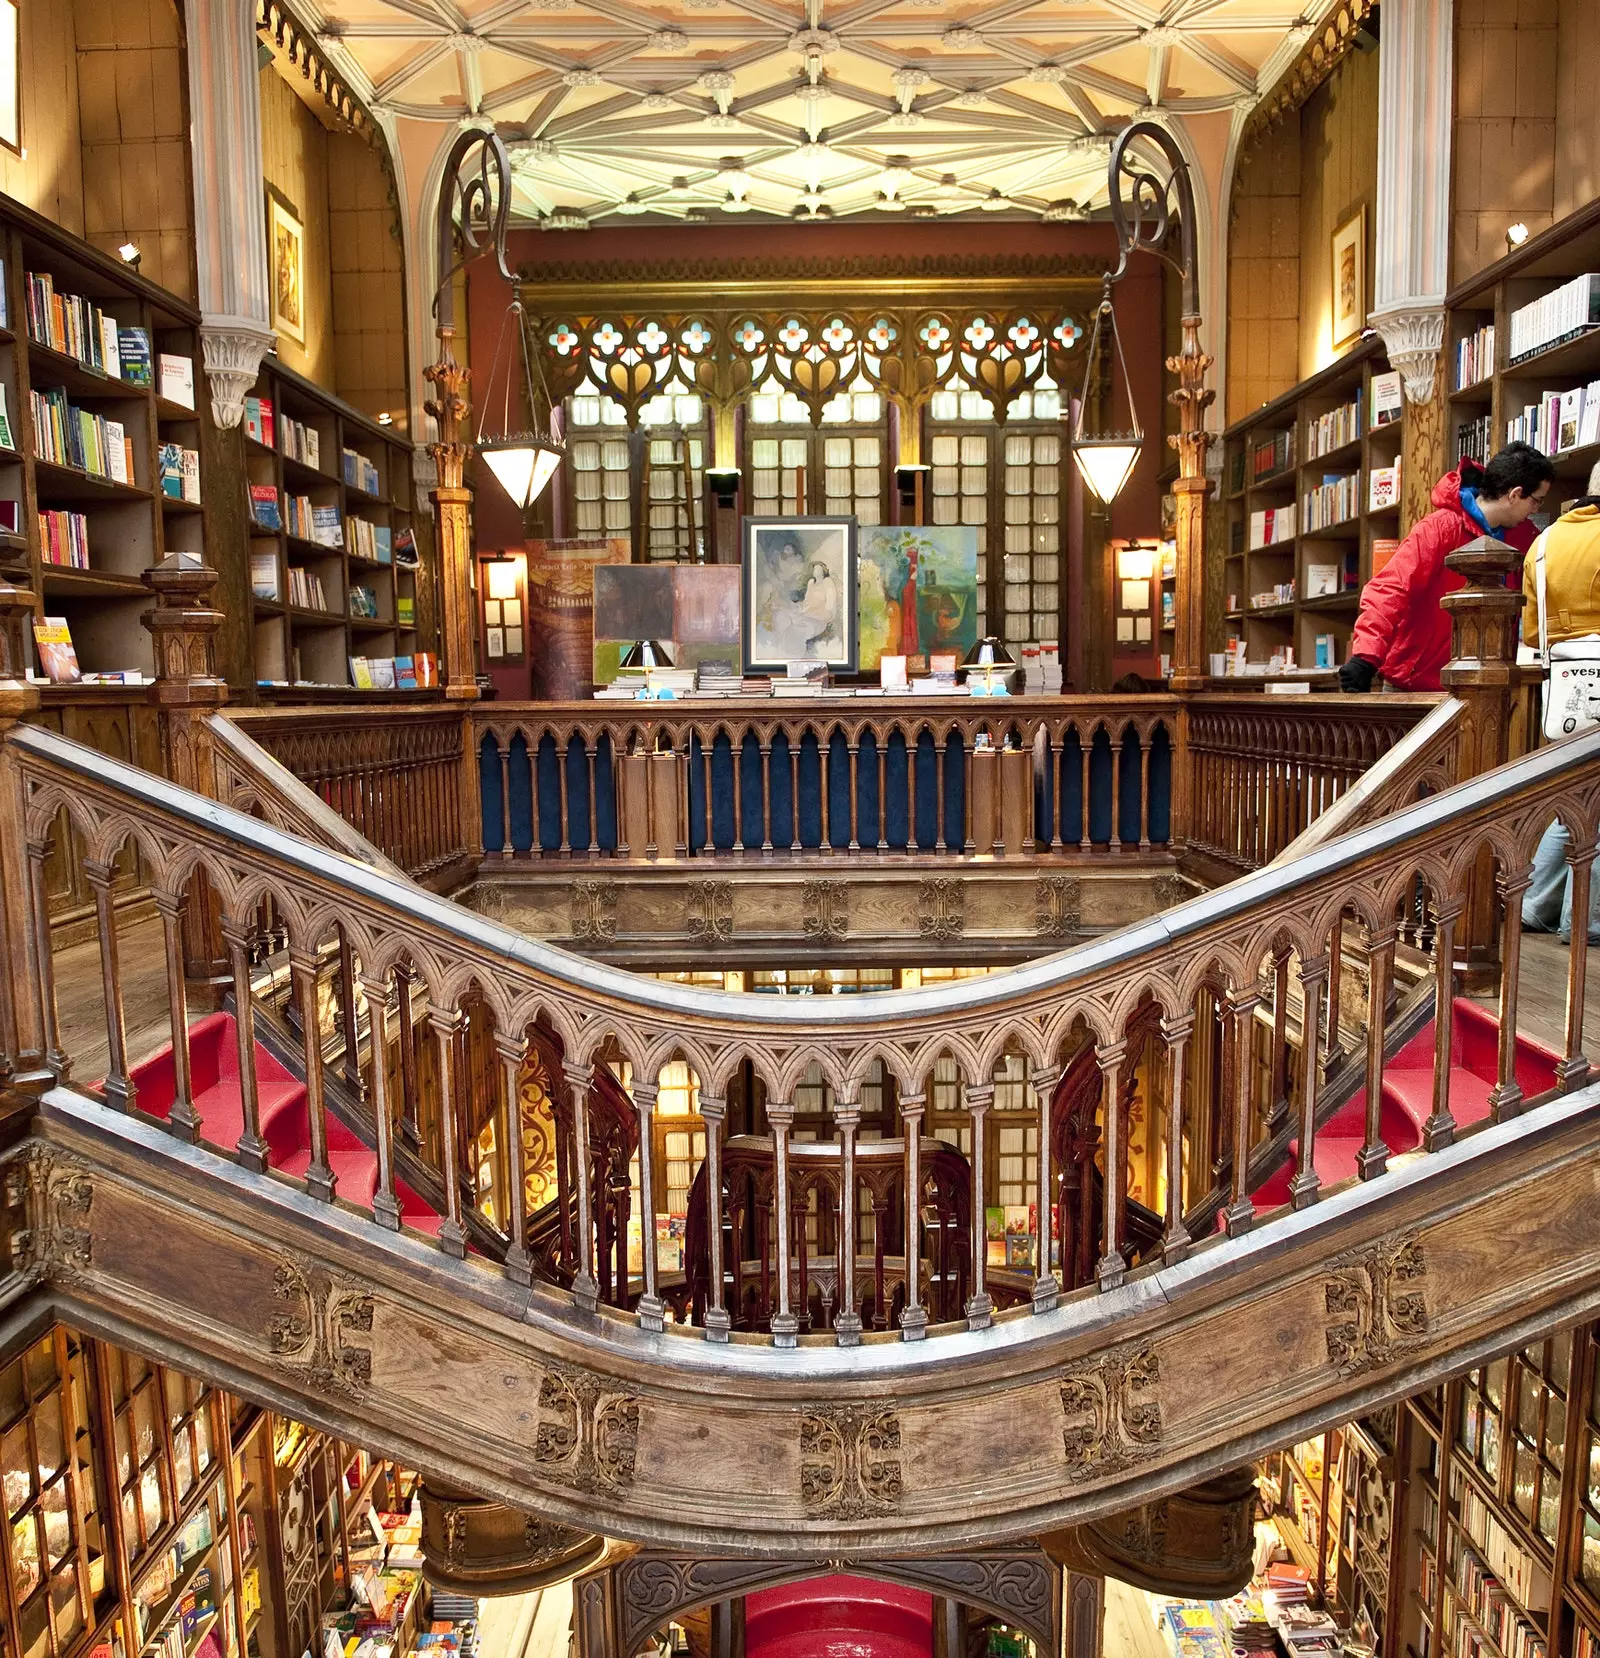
1447 492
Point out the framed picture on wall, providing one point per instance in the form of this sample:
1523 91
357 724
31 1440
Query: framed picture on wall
799 593
1349 279
286 250
11 75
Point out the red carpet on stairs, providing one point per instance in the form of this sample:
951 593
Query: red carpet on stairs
285 1124
1408 1096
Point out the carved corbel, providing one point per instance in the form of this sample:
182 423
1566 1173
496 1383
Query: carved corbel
1413 336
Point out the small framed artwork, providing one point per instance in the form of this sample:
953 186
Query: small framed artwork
286 249
495 643
1349 279
11 76
799 593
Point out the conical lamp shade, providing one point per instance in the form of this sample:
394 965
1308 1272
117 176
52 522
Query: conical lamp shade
524 465
1107 462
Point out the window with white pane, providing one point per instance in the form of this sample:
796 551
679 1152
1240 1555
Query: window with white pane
676 445
598 464
678 1144
841 470
1032 533
958 484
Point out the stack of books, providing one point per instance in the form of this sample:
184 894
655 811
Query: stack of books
373 542
64 539
395 673
258 420
74 326
360 473
1274 455
1334 429
804 679
1559 421
306 590
1475 356
301 442
1334 501
1558 315
70 436
716 679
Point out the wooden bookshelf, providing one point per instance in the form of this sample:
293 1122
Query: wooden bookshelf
299 647
1347 544
1502 388
130 526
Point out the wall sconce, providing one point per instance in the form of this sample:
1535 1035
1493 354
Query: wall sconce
1516 235
500 578
1136 563
724 481
129 254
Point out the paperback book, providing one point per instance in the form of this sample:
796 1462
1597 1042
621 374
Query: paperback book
57 658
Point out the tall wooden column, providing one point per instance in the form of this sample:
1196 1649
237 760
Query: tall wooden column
1482 674
186 692
1192 488
21 1036
458 624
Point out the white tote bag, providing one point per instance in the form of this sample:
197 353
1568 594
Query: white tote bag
1572 669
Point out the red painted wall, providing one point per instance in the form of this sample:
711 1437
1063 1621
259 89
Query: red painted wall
879 249
839 1617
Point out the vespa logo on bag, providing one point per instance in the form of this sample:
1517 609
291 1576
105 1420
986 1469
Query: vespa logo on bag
1574 689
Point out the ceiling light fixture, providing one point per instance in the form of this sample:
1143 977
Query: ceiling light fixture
994 202
631 205
1105 457
523 462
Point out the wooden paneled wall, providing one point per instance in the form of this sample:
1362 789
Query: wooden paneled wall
1264 273
1301 182
368 281
104 112
1527 126
1338 177
133 115
294 157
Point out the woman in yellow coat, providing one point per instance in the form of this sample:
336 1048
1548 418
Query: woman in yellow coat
1571 548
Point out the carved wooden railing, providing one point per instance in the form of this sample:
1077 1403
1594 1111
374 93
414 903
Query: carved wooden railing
1261 770
395 775
1189 984
1022 778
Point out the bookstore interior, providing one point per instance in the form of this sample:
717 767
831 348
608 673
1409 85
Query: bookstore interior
899 486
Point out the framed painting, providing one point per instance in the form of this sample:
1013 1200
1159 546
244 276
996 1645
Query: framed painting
918 591
11 76
798 593
286 248
1349 279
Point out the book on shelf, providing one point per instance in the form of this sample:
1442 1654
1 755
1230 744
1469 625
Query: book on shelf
1270 526
359 472
1555 316
1475 356
405 673
301 442
1323 580
1474 439
306 589
6 439
264 575
258 420
427 670
1388 399
11 517
175 378
1335 428
70 324
405 549
1326 651
64 538
1334 501
405 610
133 348
363 602
361 673
264 507
66 435
1384 487
53 640
1275 455
1383 549
1559 421
327 528
383 678
180 472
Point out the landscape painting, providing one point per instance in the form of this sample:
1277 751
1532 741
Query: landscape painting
918 591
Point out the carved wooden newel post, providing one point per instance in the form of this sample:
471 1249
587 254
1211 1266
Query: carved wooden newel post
1483 675
187 691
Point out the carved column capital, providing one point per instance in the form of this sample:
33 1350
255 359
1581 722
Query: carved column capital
713 1107
1413 336
232 349
578 1075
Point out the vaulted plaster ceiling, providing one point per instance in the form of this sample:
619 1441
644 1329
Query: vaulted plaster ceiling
711 109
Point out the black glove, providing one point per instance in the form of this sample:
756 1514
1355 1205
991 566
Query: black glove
1357 674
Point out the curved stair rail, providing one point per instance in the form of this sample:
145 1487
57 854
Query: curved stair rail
1221 955
1067 1407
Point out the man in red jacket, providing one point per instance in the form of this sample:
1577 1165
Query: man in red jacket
1403 633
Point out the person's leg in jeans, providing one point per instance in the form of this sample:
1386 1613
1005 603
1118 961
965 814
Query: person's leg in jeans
1547 904
1594 907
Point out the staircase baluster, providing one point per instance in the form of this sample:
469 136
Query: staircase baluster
979 1309
183 1120
1085 754
513 1052
736 766
1055 774
766 796
780 1118
1573 1071
1332 1047
713 1109
1113 1266
651 1312
562 742
847 1321
1440 1128
252 1148
1373 1158
1505 1098
1116 791
913 1315
881 743
1144 791
1175 1033
585 1286
1278 1109
507 850
825 781
410 1123
303 966
376 988
591 765
913 740
535 838
347 1017
853 772
1314 976
119 1089
1241 1008
447 1025
1046 1285
44 968
792 741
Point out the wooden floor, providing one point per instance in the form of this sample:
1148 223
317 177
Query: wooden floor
81 1007
1542 994
1130 1630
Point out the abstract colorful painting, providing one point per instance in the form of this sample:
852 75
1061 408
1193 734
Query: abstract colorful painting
693 609
919 591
